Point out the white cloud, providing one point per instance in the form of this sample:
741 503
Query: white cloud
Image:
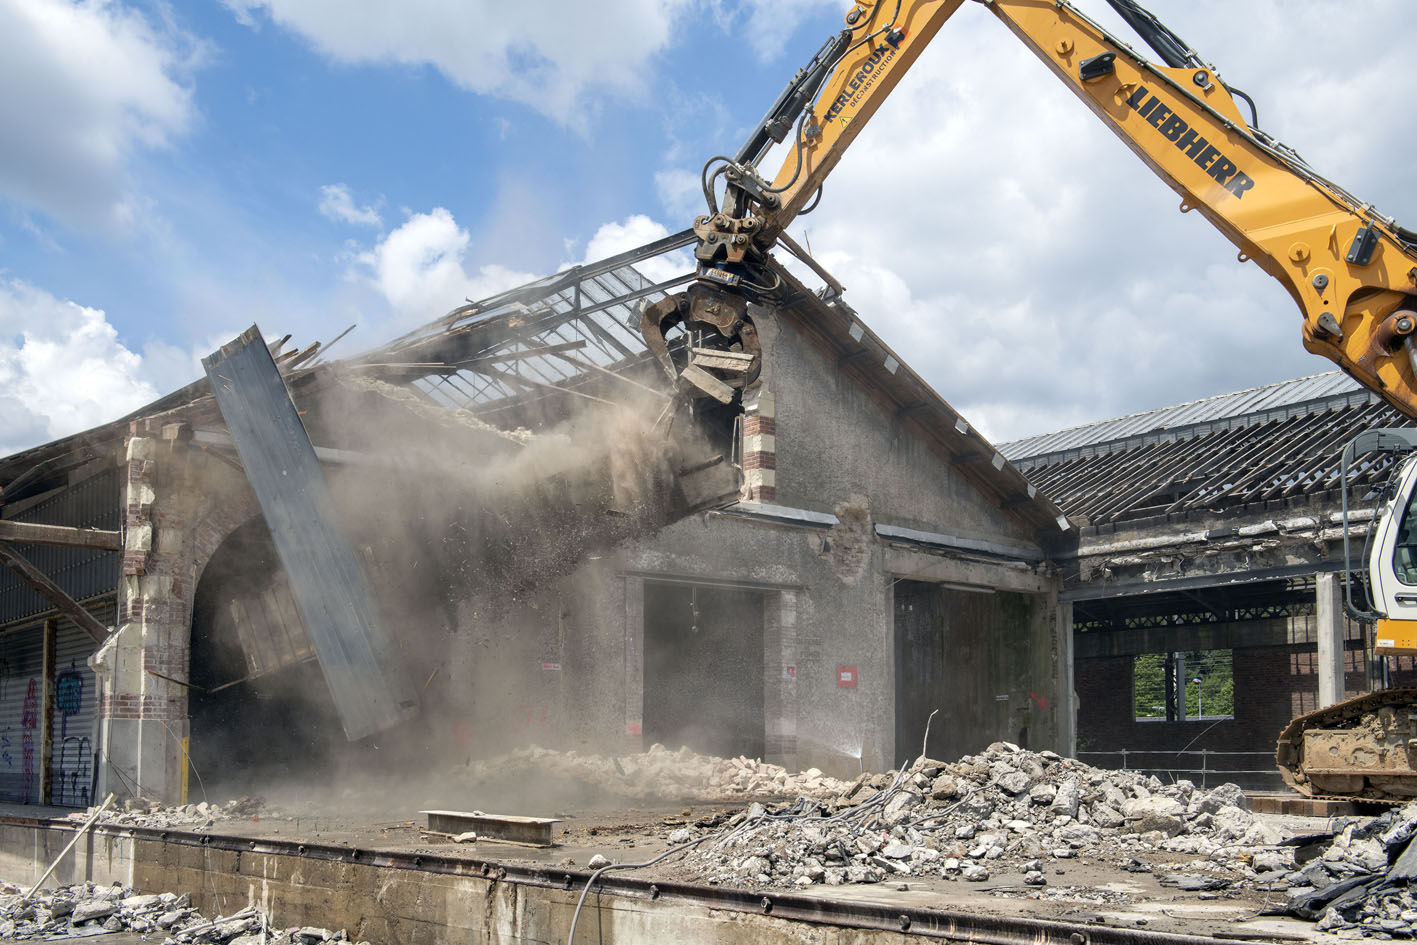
422 271
420 268
637 230
337 204
680 192
62 368
768 21
88 86
1035 272
546 53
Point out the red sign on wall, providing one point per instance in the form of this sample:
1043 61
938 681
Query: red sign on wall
846 677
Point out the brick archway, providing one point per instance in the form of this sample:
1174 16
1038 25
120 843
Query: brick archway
180 504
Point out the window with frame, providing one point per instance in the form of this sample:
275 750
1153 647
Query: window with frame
1195 685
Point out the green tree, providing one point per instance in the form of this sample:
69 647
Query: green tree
1149 685
1214 695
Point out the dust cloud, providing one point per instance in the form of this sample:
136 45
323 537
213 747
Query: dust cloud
486 544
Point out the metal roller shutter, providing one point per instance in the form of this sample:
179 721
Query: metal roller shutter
75 713
21 695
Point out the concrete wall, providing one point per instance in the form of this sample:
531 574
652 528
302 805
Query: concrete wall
566 667
835 441
435 900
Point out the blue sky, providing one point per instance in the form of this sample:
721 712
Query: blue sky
172 172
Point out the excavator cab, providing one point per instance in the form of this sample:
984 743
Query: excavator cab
1392 556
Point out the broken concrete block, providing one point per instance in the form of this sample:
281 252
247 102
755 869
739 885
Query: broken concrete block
1042 794
1105 816
944 788
1065 801
93 909
1231 822
1013 782
898 807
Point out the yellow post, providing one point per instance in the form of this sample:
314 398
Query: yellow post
186 741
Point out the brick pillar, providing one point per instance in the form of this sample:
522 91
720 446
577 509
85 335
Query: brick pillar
178 507
760 445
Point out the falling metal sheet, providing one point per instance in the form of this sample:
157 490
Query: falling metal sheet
365 673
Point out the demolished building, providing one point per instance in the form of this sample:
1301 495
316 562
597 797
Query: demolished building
802 575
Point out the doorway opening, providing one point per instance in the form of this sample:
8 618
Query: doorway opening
703 676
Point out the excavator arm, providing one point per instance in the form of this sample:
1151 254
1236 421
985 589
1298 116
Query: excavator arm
1351 270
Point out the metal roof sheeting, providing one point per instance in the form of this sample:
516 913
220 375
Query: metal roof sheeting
82 573
1255 405
1277 443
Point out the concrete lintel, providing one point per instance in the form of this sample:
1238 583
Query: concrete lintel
781 514
1100 590
959 543
919 566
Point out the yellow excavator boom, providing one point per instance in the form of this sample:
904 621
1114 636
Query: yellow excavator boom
1351 270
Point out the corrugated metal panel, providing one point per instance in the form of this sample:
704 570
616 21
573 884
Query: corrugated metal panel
366 675
74 725
21 695
83 573
1272 401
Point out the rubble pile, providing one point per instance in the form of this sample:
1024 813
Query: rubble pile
658 774
85 909
141 812
1359 882
1005 809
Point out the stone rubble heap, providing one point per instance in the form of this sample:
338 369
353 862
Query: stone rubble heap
84 909
659 774
140 812
1003 810
1359 882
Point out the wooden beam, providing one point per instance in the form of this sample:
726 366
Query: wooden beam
38 580
32 533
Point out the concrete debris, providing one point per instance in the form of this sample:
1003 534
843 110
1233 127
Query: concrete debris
658 774
1359 881
1003 812
140 812
85 909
